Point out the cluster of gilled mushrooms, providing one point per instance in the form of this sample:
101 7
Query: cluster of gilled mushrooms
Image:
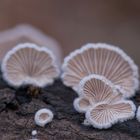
103 76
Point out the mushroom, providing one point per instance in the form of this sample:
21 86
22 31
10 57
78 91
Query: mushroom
34 135
95 89
102 59
25 33
104 115
28 64
43 117
138 114
81 104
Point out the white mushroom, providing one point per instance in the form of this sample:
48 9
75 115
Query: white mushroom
25 33
95 89
28 64
43 117
138 114
81 104
34 135
102 103
104 115
102 59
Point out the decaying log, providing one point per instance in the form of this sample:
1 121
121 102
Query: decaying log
18 109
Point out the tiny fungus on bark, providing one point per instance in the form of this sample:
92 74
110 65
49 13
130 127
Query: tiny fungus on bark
138 114
43 117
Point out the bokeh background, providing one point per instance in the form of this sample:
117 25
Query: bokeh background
76 22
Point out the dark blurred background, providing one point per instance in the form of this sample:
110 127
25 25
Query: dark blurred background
76 22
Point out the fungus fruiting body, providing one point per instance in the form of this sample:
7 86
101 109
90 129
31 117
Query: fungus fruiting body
97 88
102 103
28 64
102 59
43 116
94 89
104 115
103 76
25 33
34 135
81 104
138 114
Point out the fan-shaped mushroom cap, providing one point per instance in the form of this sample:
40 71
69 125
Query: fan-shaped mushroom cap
102 59
81 104
29 64
138 114
25 33
95 89
43 116
104 115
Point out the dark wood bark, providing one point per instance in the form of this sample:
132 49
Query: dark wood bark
17 110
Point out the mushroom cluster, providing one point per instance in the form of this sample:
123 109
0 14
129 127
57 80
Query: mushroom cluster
103 76
43 116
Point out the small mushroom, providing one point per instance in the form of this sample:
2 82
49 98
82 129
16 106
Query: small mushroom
43 117
25 33
138 114
28 64
102 59
34 135
104 115
81 104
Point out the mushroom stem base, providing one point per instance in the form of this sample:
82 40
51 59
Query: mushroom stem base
33 91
